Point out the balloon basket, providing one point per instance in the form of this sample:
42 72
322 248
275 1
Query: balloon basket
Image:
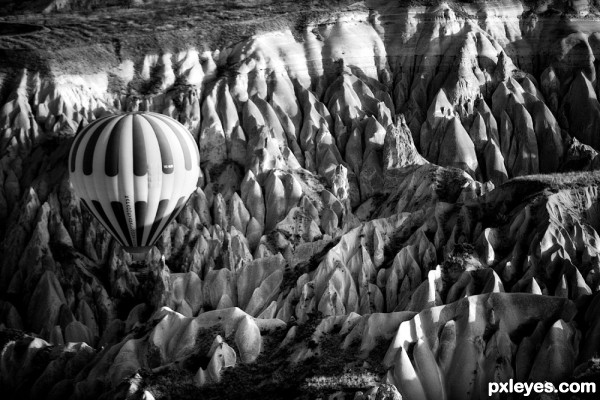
138 254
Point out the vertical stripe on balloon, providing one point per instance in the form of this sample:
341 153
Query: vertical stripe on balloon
111 162
126 178
88 154
140 163
103 218
165 149
186 151
76 144
119 212
162 207
140 217
86 205
165 220
176 210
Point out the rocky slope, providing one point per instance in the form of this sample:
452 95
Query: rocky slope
388 191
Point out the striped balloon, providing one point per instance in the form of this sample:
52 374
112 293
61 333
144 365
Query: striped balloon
134 172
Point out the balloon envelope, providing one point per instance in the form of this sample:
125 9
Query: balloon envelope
134 172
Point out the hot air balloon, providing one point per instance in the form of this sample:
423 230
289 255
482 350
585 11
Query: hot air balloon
134 172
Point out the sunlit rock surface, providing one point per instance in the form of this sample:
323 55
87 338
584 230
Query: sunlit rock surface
387 192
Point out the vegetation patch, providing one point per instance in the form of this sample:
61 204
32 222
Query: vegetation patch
204 341
291 275
455 264
346 381
273 376
8 335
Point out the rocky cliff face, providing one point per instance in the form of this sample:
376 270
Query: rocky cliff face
387 192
